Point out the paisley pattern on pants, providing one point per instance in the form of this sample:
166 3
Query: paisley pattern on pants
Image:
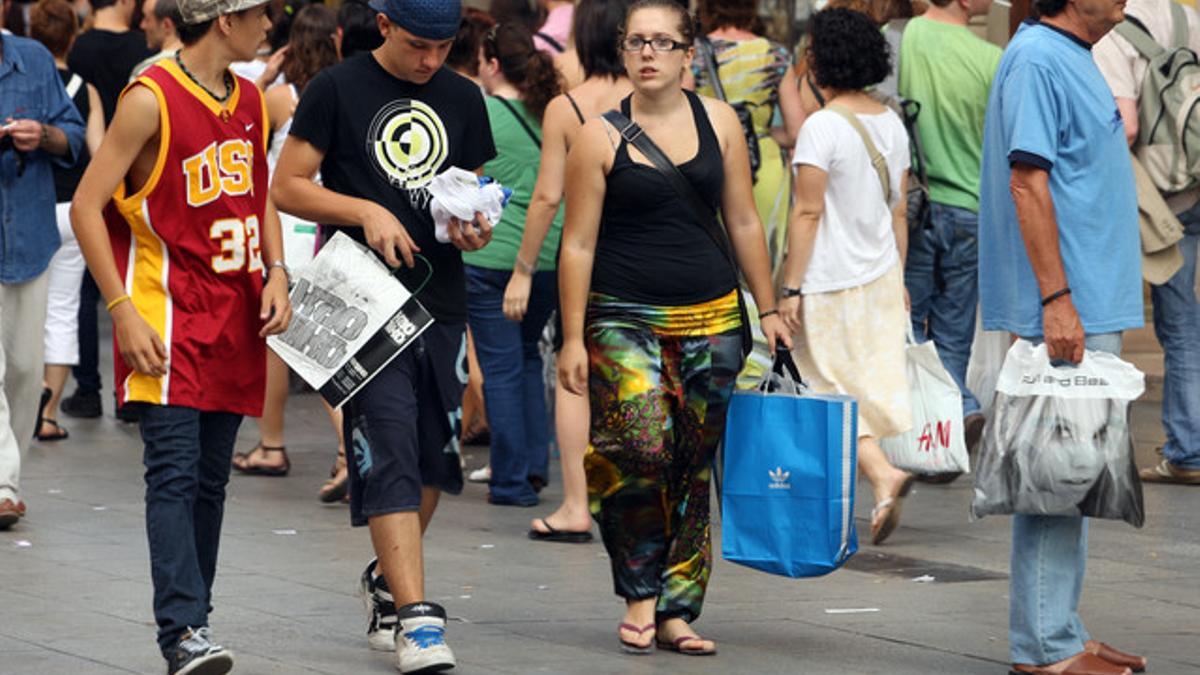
660 383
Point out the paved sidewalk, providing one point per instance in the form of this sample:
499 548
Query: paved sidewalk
75 590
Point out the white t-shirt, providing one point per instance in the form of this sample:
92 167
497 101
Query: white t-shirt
1124 69
855 244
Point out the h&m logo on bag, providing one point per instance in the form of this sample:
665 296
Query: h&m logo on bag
779 479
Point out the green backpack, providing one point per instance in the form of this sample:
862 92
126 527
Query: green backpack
1168 142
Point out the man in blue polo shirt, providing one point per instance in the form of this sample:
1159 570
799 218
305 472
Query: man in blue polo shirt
1059 261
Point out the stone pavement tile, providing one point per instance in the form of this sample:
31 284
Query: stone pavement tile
44 662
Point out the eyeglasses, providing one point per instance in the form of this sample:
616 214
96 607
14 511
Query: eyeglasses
634 43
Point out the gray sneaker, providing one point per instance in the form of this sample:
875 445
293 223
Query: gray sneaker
381 613
421 639
197 655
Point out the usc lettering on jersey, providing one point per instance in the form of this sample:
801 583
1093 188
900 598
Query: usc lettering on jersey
188 244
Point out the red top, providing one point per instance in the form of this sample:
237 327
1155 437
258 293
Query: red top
188 245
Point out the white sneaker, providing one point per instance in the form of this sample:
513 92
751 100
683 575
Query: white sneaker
421 639
381 612
483 475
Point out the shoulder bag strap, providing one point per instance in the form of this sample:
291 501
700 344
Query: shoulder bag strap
1179 26
524 125
877 158
635 136
554 44
1135 32
709 54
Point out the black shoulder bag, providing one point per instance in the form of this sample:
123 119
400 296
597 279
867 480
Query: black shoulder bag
633 134
742 108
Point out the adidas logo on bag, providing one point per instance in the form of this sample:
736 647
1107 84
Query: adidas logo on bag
779 479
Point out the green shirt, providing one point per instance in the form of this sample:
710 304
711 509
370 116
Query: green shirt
949 71
515 167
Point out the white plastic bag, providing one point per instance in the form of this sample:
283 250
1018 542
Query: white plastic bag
458 193
935 443
1057 440
299 241
987 356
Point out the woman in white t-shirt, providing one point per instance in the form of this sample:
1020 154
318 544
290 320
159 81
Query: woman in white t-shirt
843 286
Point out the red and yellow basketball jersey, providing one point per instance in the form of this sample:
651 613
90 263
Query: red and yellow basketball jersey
188 244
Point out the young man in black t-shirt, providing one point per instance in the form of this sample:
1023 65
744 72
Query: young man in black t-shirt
380 126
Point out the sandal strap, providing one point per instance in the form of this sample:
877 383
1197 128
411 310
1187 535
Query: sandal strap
634 629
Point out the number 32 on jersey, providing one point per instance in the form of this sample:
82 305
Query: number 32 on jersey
226 169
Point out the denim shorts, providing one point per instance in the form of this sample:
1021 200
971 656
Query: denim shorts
402 427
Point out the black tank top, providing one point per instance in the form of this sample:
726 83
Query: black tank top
650 248
66 180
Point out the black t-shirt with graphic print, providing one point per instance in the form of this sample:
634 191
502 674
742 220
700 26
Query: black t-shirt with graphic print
384 139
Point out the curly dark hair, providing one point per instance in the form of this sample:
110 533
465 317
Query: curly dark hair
532 72
846 50
311 45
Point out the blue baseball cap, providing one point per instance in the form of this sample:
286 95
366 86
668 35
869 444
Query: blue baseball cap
428 19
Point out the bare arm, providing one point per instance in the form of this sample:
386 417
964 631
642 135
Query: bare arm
1129 115
741 218
900 220
586 185
133 126
94 132
1062 329
789 105
802 234
294 191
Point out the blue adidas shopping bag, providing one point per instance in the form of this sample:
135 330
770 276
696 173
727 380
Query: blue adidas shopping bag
787 504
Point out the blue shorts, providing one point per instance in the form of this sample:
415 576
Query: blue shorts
402 428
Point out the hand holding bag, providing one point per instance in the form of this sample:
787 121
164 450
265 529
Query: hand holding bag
788 495
1057 440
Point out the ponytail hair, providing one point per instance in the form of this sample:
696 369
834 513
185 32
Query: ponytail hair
531 71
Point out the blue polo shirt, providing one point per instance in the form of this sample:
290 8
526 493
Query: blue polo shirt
1051 108
30 88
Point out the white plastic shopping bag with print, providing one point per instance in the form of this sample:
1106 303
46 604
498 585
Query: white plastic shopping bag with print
935 444
1057 440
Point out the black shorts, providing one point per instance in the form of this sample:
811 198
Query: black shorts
402 428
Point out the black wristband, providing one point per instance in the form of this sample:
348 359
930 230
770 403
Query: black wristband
1055 295
789 292
769 312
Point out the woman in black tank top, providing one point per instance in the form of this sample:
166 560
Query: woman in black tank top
651 322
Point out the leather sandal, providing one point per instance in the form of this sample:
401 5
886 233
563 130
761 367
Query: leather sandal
1113 655
891 506
60 433
335 489
630 647
1083 663
246 468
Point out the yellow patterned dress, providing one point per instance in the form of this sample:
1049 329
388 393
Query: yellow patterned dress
751 72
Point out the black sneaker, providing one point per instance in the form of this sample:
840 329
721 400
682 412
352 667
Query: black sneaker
381 610
197 655
82 404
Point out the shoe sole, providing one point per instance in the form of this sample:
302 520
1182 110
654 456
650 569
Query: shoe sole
218 665
435 668
8 520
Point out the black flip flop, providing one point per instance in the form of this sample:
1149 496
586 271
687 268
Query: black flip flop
62 434
273 471
45 398
559 536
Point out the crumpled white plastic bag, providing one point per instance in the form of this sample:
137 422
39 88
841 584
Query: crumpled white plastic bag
461 194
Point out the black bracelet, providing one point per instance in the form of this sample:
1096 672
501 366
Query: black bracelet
769 312
1055 295
789 292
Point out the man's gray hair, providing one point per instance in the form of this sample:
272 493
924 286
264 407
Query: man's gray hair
168 9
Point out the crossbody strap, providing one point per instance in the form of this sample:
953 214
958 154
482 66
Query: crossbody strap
877 158
710 65
1136 33
704 213
524 125
1179 26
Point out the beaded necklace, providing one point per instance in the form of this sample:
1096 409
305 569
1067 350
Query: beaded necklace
196 81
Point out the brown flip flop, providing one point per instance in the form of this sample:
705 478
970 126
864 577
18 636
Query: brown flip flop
892 506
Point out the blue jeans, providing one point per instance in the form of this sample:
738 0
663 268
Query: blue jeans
1177 325
1049 555
187 454
941 273
512 381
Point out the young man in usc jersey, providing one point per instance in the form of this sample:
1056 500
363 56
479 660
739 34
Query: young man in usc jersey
175 222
